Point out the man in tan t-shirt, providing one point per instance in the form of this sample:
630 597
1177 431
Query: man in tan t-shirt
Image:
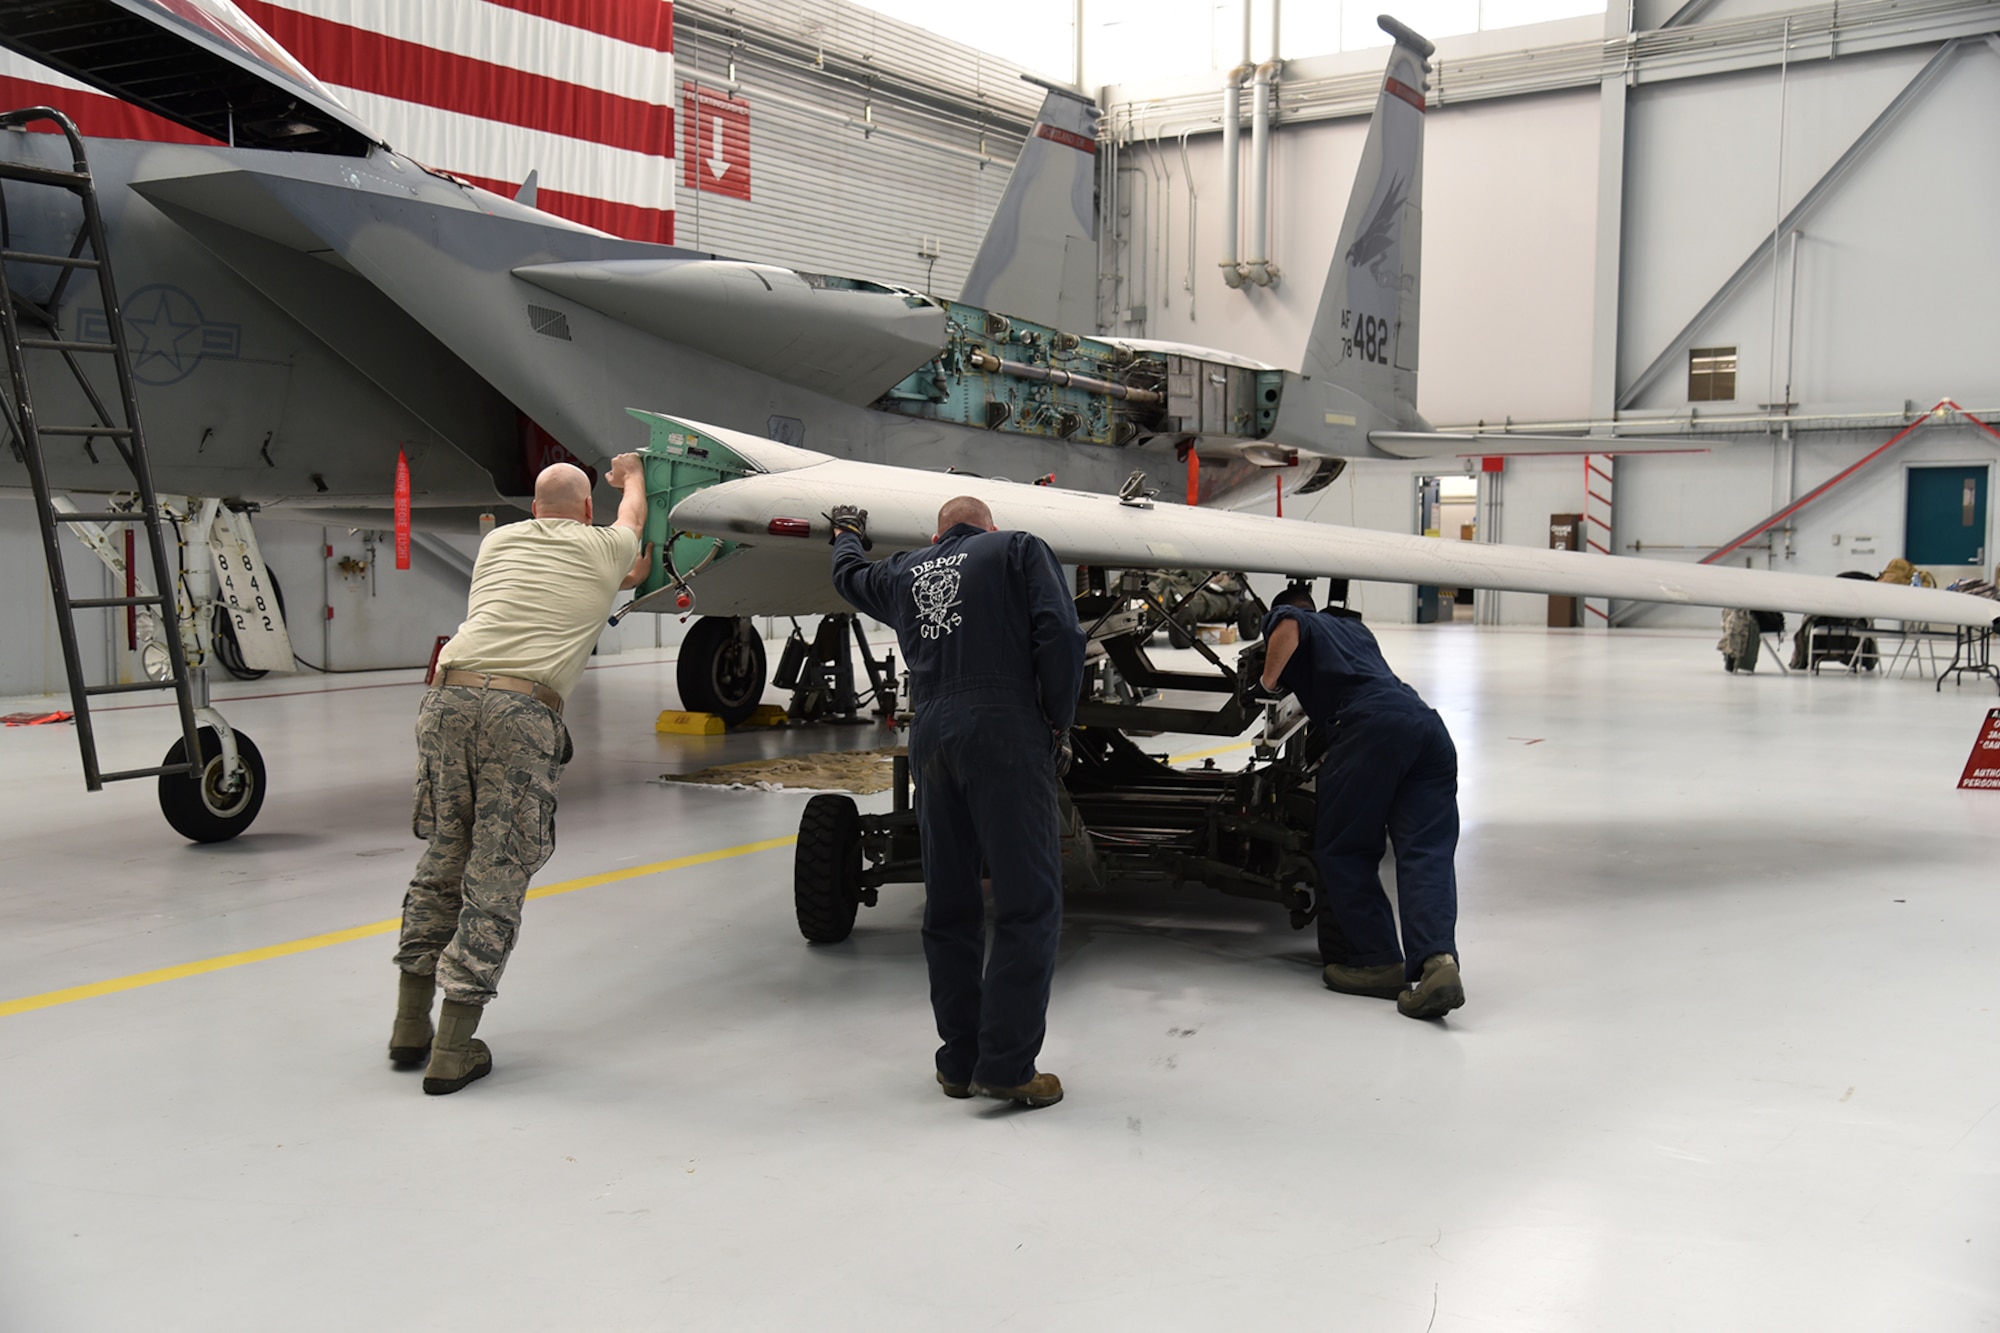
491 745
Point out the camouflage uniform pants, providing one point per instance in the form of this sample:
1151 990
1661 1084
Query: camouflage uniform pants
487 766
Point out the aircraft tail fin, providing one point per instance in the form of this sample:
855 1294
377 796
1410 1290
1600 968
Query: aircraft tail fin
1364 338
1039 259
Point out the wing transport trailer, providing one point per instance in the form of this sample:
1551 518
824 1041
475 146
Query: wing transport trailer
1127 816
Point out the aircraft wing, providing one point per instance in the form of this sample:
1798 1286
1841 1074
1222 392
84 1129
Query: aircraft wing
201 63
777 482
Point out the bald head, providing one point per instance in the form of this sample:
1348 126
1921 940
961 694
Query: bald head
563 491
965 509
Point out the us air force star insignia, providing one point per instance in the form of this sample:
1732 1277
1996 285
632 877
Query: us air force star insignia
935 591
168 335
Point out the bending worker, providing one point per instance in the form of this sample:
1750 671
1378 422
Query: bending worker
490 747
1390 772
996 657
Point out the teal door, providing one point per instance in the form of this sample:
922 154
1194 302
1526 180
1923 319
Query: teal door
1945 519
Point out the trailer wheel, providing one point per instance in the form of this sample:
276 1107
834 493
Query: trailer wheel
721 668
826 870
202 808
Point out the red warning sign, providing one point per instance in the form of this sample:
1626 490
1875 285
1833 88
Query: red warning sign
402 511
715 142
1982 771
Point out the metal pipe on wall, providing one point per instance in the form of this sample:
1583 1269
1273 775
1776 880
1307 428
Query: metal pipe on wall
1260 268
1188 171
1076 46
1233 272
1778 219
1232 114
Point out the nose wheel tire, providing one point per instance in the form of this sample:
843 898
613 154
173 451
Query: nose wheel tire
826 870
721 668
206 808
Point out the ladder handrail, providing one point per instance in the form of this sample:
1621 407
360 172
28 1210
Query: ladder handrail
22 117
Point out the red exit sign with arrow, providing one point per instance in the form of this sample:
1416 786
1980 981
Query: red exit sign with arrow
715 142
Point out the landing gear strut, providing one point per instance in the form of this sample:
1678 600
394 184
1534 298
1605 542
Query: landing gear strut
820 674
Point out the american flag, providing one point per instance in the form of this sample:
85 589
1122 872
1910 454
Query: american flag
579 91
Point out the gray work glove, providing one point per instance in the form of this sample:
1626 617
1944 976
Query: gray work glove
850 518
1064 754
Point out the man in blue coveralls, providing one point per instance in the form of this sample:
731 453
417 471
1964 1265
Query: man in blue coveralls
1390 772
996 657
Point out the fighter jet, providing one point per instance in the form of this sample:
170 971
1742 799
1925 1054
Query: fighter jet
305 305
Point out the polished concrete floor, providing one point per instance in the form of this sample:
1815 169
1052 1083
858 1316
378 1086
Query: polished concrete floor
1729 1060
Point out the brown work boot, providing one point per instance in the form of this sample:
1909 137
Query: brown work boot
1437 992
1041 1090
952 1089
457 1057
1382 983
410 1038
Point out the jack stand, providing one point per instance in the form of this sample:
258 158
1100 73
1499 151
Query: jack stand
820 675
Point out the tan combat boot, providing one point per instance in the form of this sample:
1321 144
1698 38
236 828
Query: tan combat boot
1437 992
457 1057
410 1038
1382 983
952 1089
1041 1090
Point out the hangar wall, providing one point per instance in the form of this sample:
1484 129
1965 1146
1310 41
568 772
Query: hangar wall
1882 308
871 141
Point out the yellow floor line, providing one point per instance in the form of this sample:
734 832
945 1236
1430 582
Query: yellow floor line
48 999
1193 755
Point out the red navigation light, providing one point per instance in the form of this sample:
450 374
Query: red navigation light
790 527
683 602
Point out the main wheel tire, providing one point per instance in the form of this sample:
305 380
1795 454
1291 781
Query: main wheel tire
202 809
721 668
826 869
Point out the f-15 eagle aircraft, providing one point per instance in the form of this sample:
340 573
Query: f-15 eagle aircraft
309 303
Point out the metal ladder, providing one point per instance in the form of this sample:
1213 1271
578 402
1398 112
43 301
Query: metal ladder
128 439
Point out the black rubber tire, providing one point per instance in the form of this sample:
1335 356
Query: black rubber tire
1177 637
197 808
1250 621
721 668
826 869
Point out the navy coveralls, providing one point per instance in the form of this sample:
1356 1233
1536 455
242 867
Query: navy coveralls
996 656
1390 770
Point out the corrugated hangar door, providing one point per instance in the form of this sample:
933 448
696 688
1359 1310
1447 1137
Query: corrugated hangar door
829 138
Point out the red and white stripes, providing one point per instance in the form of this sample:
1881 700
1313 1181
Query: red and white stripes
581 91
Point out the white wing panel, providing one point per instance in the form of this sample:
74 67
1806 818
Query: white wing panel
902 506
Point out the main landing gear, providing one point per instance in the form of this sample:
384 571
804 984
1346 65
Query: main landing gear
722 665
721 668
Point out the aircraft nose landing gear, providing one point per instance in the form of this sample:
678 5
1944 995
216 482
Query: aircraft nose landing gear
221 799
